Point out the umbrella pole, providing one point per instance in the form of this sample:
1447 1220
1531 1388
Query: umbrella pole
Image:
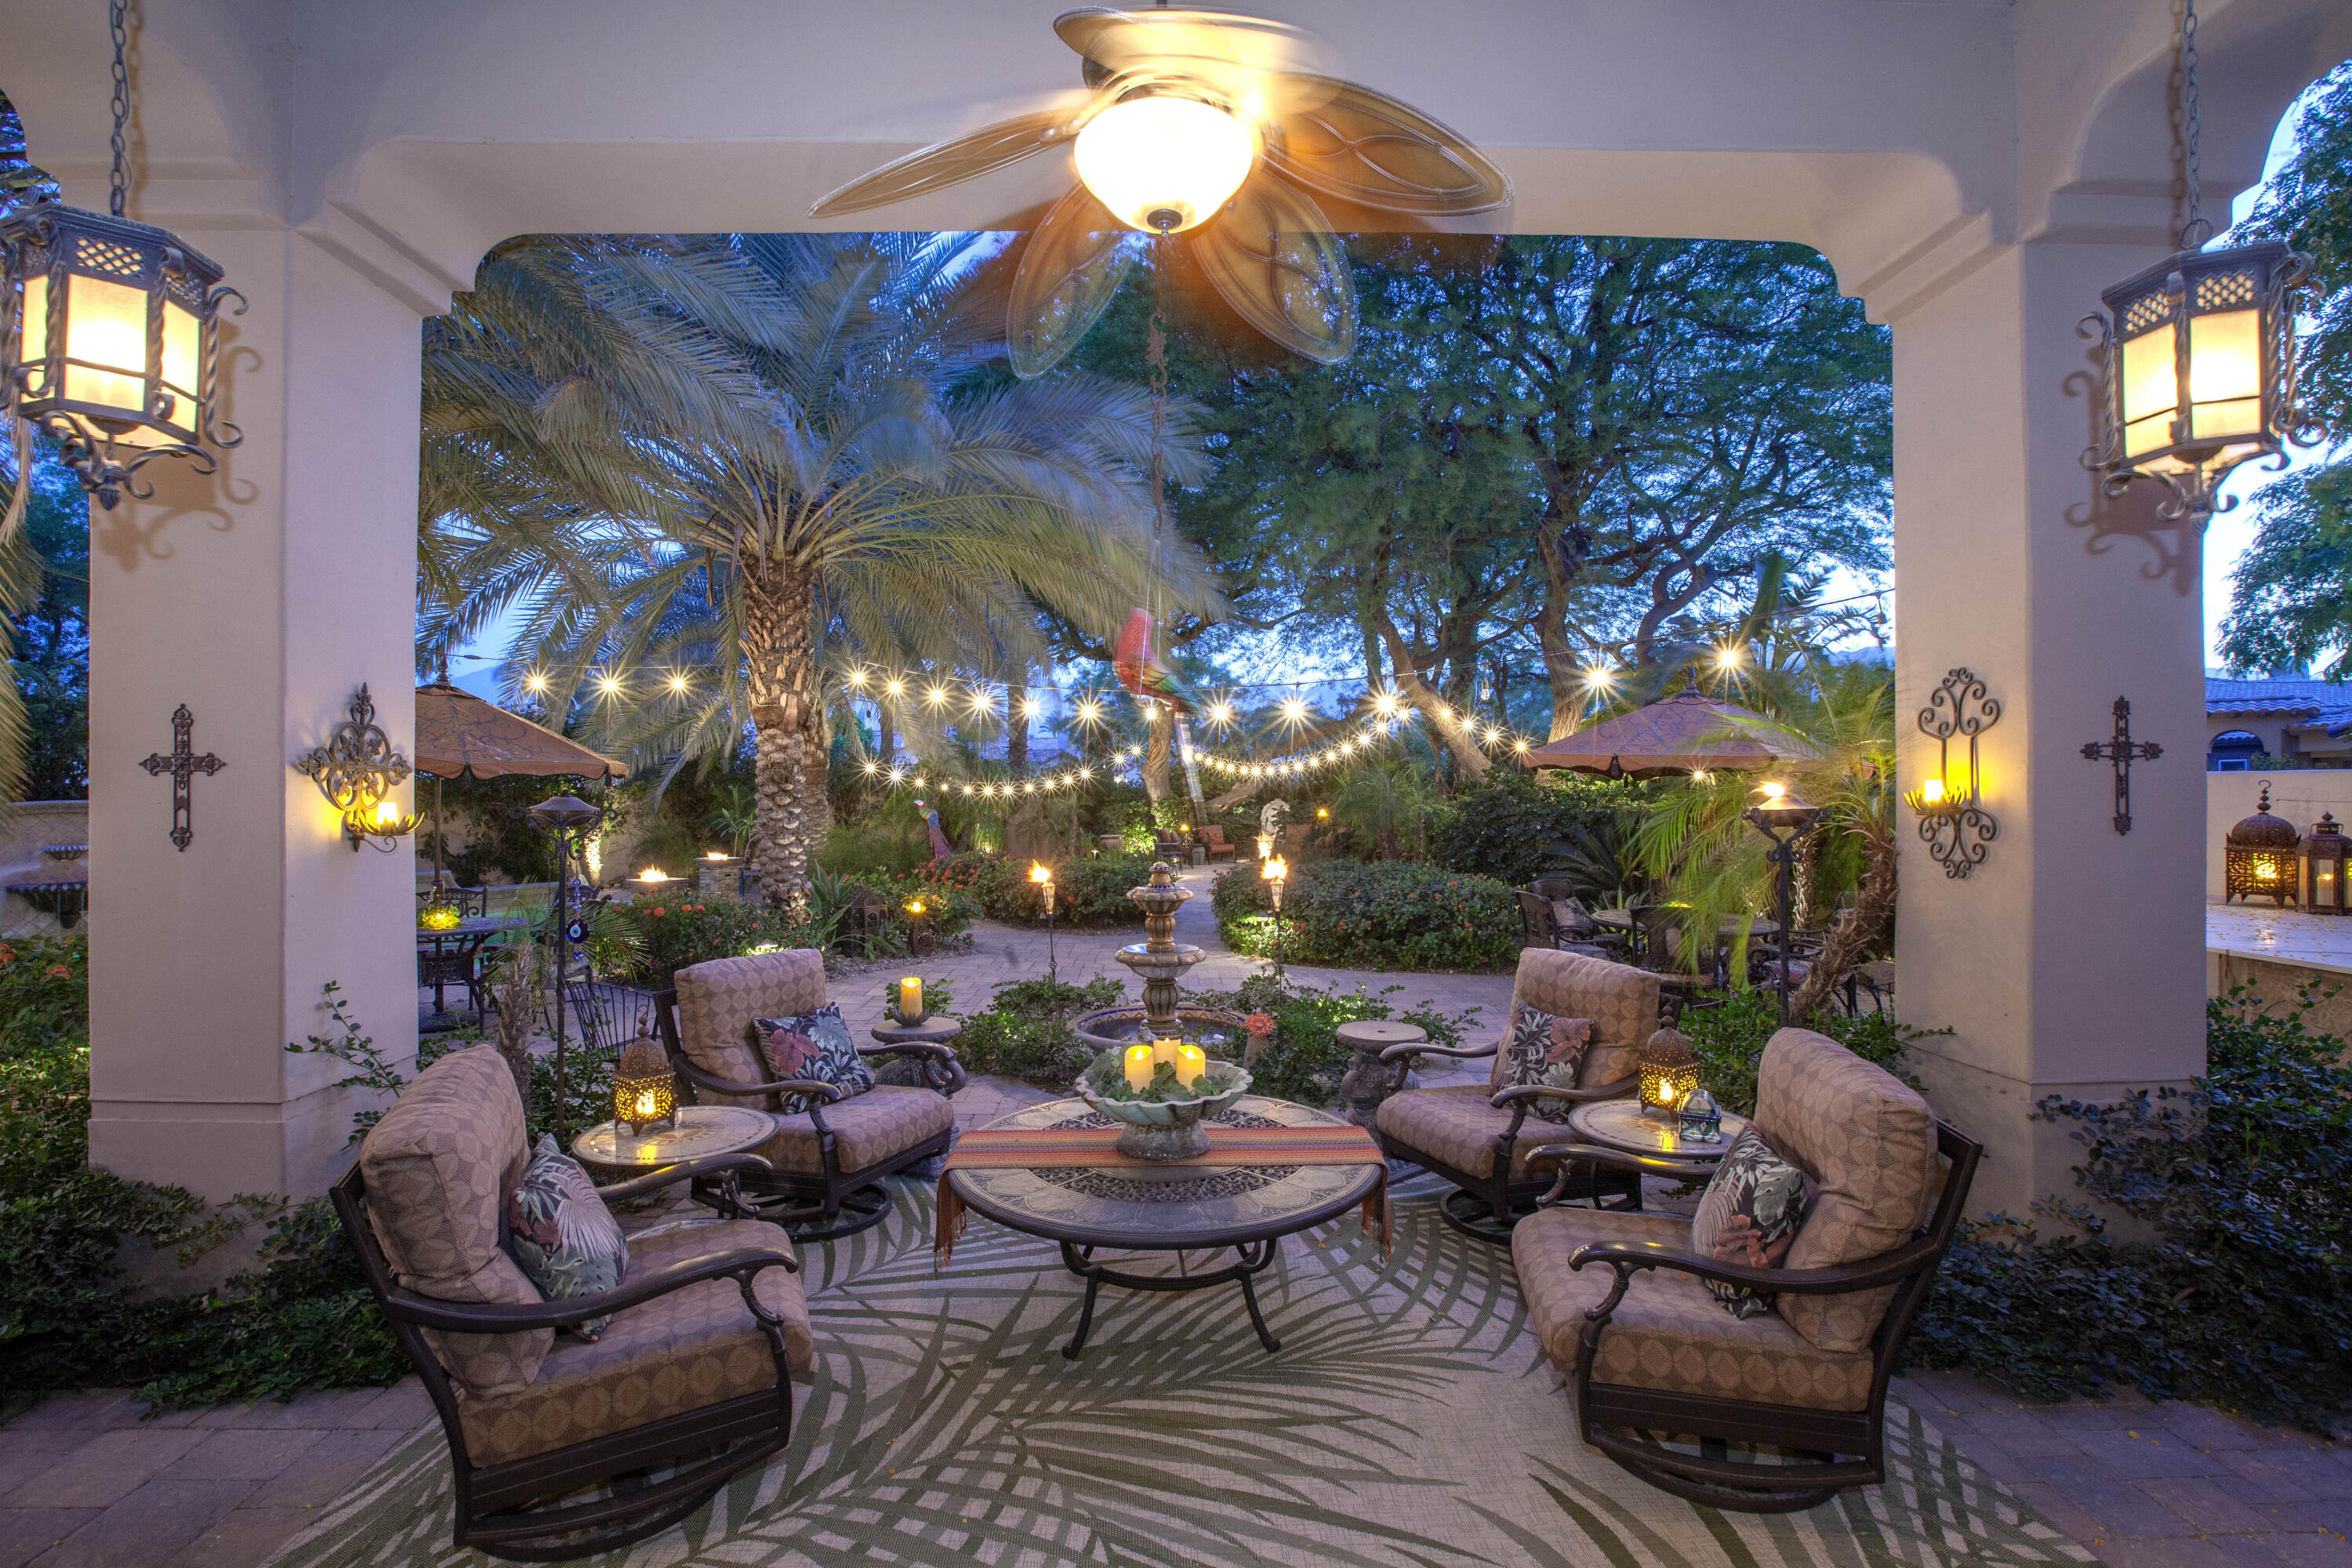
562 957
436 838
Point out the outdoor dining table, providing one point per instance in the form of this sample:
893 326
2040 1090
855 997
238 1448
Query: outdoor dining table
1625 920
440 950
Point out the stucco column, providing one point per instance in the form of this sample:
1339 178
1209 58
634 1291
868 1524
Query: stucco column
261 598
2070 962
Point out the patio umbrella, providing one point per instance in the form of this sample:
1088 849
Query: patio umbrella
1688 732
459 736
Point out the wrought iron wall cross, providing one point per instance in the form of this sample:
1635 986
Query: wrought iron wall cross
181 765
2122 750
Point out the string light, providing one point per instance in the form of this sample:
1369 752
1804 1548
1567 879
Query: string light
610 685
535 681
677 684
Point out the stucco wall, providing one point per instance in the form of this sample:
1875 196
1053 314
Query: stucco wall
2299 795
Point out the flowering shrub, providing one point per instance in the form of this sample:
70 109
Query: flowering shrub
1087 892
1026 1032
1385 914
1302 1058
678 934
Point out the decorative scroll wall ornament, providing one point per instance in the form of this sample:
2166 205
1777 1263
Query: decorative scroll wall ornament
1952 820
357 770
182 764
2122 750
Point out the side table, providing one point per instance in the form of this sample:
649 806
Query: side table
613 1153
1366 1083
912 1072
1624 1125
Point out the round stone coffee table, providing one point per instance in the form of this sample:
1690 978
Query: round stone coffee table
1167 1208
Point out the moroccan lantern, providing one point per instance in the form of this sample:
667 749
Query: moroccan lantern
2323 851
644 1089
1669 1074
2259 856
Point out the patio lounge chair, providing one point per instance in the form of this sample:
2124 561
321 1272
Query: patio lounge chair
692 1376
828 1161
1220 846
1621 1306
1477 1136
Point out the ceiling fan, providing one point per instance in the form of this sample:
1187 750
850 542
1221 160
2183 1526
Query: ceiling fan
1217 127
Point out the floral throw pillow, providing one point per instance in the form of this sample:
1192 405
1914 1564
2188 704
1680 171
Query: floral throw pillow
1548 1050
561 1234
812 1045
1748 1216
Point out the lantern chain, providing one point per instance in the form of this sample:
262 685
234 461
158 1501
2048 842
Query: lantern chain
118 192
2190 118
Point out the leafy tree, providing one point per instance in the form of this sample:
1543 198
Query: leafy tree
2287 601
702 462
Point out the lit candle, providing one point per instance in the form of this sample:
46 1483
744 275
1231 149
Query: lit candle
910 998
1140 1063
1165 1051
1191 1061
648 1105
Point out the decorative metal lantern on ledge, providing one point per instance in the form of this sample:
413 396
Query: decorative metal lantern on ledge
2323 851
1669 1075
2258 856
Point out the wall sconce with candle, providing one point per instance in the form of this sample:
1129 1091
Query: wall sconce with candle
1952 820
357 770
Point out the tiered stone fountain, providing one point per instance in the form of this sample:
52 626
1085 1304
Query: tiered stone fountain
1161 959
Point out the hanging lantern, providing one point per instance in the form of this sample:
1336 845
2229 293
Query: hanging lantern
1669 1075
2258 855
109 336
2197 371
2323 852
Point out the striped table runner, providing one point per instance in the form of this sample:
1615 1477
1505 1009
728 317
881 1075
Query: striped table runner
1090 1148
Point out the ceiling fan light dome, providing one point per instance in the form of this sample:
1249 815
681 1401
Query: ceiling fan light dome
1162 160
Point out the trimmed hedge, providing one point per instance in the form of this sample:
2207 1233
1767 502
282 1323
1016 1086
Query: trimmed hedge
1377 914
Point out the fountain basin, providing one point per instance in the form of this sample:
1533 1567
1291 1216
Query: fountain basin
1212 1028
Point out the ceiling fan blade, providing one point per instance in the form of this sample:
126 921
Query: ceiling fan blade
945 164
1074 265
1357 145
1271 255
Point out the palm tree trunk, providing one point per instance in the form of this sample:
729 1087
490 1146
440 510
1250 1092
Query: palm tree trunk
1855 928
779 631
1016 727
1155 760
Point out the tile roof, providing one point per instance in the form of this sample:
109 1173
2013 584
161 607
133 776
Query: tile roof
2318 703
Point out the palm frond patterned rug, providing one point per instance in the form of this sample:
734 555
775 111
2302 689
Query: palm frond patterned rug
1409 1421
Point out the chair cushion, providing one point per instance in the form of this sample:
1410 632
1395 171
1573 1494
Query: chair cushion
1458 1126
1545 1050
1621 1002
561 1231
885 1121
1868 1143
1753 1204
815 1045
717 1002
676 1353
438 1168
1669 1332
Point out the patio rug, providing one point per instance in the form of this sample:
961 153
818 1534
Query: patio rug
1409 1421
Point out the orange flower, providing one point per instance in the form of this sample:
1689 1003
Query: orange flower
61 969
660 912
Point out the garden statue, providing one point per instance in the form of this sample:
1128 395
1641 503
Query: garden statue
939 848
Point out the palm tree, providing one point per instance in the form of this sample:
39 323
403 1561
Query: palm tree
703 466
1839 747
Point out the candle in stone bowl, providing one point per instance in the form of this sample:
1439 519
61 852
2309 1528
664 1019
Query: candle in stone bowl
1165 1051
1191 1061
1139 1064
